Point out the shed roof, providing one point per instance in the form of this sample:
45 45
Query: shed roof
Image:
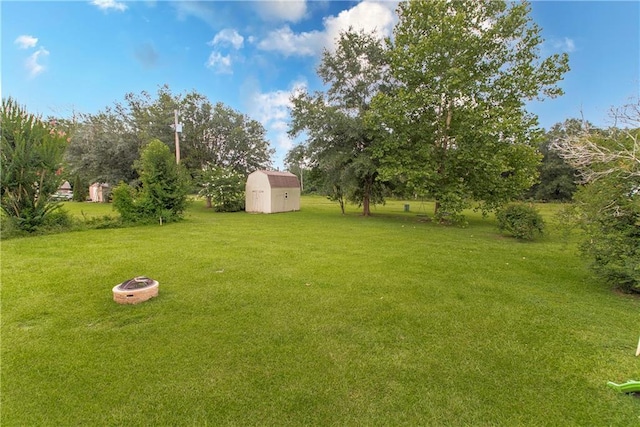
282 179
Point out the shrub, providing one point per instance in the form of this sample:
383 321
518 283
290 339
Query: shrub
165 186
224 189
608 203
520 220
124 202
608 211
54 222
32 155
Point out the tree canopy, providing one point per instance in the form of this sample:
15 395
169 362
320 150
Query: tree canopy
106 144
557 180
340 142
456 124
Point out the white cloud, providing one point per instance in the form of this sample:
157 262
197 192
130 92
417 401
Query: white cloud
282 10
25 41
566 44
285 41
228 36
219 63
34 67
272 110
367 15
109 4
197 9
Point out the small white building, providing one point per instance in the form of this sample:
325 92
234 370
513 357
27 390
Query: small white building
65 188
99 192
271 192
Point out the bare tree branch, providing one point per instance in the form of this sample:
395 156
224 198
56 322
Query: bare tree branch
596 154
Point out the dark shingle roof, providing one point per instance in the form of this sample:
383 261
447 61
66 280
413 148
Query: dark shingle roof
282 179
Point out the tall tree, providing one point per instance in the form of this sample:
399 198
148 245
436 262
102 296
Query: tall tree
340 142
456 124
211 134
32 153
557 178
104 148
233 140
107 144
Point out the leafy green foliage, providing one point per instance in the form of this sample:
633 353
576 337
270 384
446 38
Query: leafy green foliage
608 204
165 186
455 121
520 220
124 202
32 154
211 134
104 148
164 183
609 213
557 180
80 189
340 142
107 144
296 161
223 188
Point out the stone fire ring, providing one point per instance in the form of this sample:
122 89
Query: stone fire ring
133 291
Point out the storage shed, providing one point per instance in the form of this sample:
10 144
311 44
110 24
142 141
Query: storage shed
99 192
271 192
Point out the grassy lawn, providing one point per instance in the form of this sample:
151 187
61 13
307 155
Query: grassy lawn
311 318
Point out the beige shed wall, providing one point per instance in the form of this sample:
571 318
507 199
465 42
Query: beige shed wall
257 193
285 199
260 197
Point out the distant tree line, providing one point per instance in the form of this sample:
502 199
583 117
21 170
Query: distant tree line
124 144
105 146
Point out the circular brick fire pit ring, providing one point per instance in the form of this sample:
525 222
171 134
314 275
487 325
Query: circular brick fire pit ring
136 290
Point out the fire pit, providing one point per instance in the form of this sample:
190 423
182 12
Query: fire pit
135 290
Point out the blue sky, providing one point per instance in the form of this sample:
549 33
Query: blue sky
59 57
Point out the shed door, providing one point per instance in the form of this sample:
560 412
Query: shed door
258 200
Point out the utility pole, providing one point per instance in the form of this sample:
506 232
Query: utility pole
178 129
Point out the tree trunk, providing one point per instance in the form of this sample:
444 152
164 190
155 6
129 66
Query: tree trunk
444 146
366 196
209 202
365 205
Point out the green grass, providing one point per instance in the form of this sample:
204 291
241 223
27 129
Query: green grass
311 318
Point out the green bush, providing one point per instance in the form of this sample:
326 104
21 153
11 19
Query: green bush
103 222
520 220
124 203
608 211
54 222
165 186
223 188
32 155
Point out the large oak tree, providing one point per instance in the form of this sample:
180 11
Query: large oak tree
456 122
